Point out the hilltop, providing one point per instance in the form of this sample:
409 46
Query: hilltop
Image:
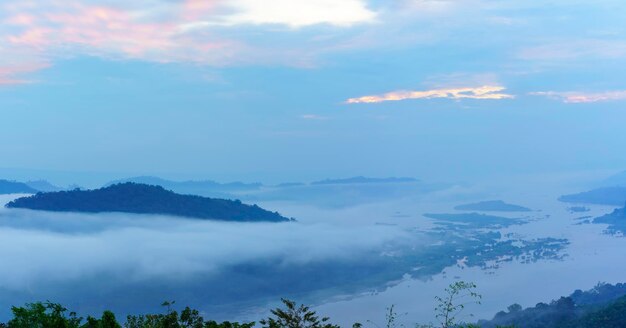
137 198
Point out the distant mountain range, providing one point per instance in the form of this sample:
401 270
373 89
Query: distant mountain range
190 184
137 198
492 205
43 185
14 187
361 179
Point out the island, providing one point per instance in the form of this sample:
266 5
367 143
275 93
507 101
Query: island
578 209
14 187
616 221
492 206
138 198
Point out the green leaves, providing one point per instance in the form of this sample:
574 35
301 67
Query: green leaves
43 315
294 316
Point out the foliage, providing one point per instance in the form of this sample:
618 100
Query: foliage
188 318
43 315
293 316
603 306
598 307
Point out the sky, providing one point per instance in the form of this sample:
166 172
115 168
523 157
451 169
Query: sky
286 90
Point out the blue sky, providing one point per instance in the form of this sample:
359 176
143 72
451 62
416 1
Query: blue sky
298 90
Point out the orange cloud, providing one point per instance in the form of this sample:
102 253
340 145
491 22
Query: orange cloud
582 97
484 92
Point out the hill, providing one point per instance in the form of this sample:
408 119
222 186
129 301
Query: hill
145 199
13 187
600 196
602 306
43 186
492 205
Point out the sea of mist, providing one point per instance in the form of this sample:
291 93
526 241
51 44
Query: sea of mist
131 263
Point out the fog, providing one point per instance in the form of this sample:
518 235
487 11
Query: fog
47 247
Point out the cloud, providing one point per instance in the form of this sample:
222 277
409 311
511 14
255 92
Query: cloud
190 31
314 117
11 75
484 92
52 31
295 14
583 97
48 248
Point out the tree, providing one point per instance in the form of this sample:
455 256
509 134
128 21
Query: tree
391 318
107 321
43 315
450 307
514 308
295 317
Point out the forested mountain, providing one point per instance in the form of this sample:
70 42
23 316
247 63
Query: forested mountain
602 306
145 199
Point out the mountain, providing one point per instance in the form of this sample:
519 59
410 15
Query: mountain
196 187
361 179
600 196
13 187
137 198
492 205
43 185
616 180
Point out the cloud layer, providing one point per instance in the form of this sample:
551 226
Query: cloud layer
35 33
484 92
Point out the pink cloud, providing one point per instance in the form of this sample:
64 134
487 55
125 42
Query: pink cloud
583 97
20 19
9 74
49 31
